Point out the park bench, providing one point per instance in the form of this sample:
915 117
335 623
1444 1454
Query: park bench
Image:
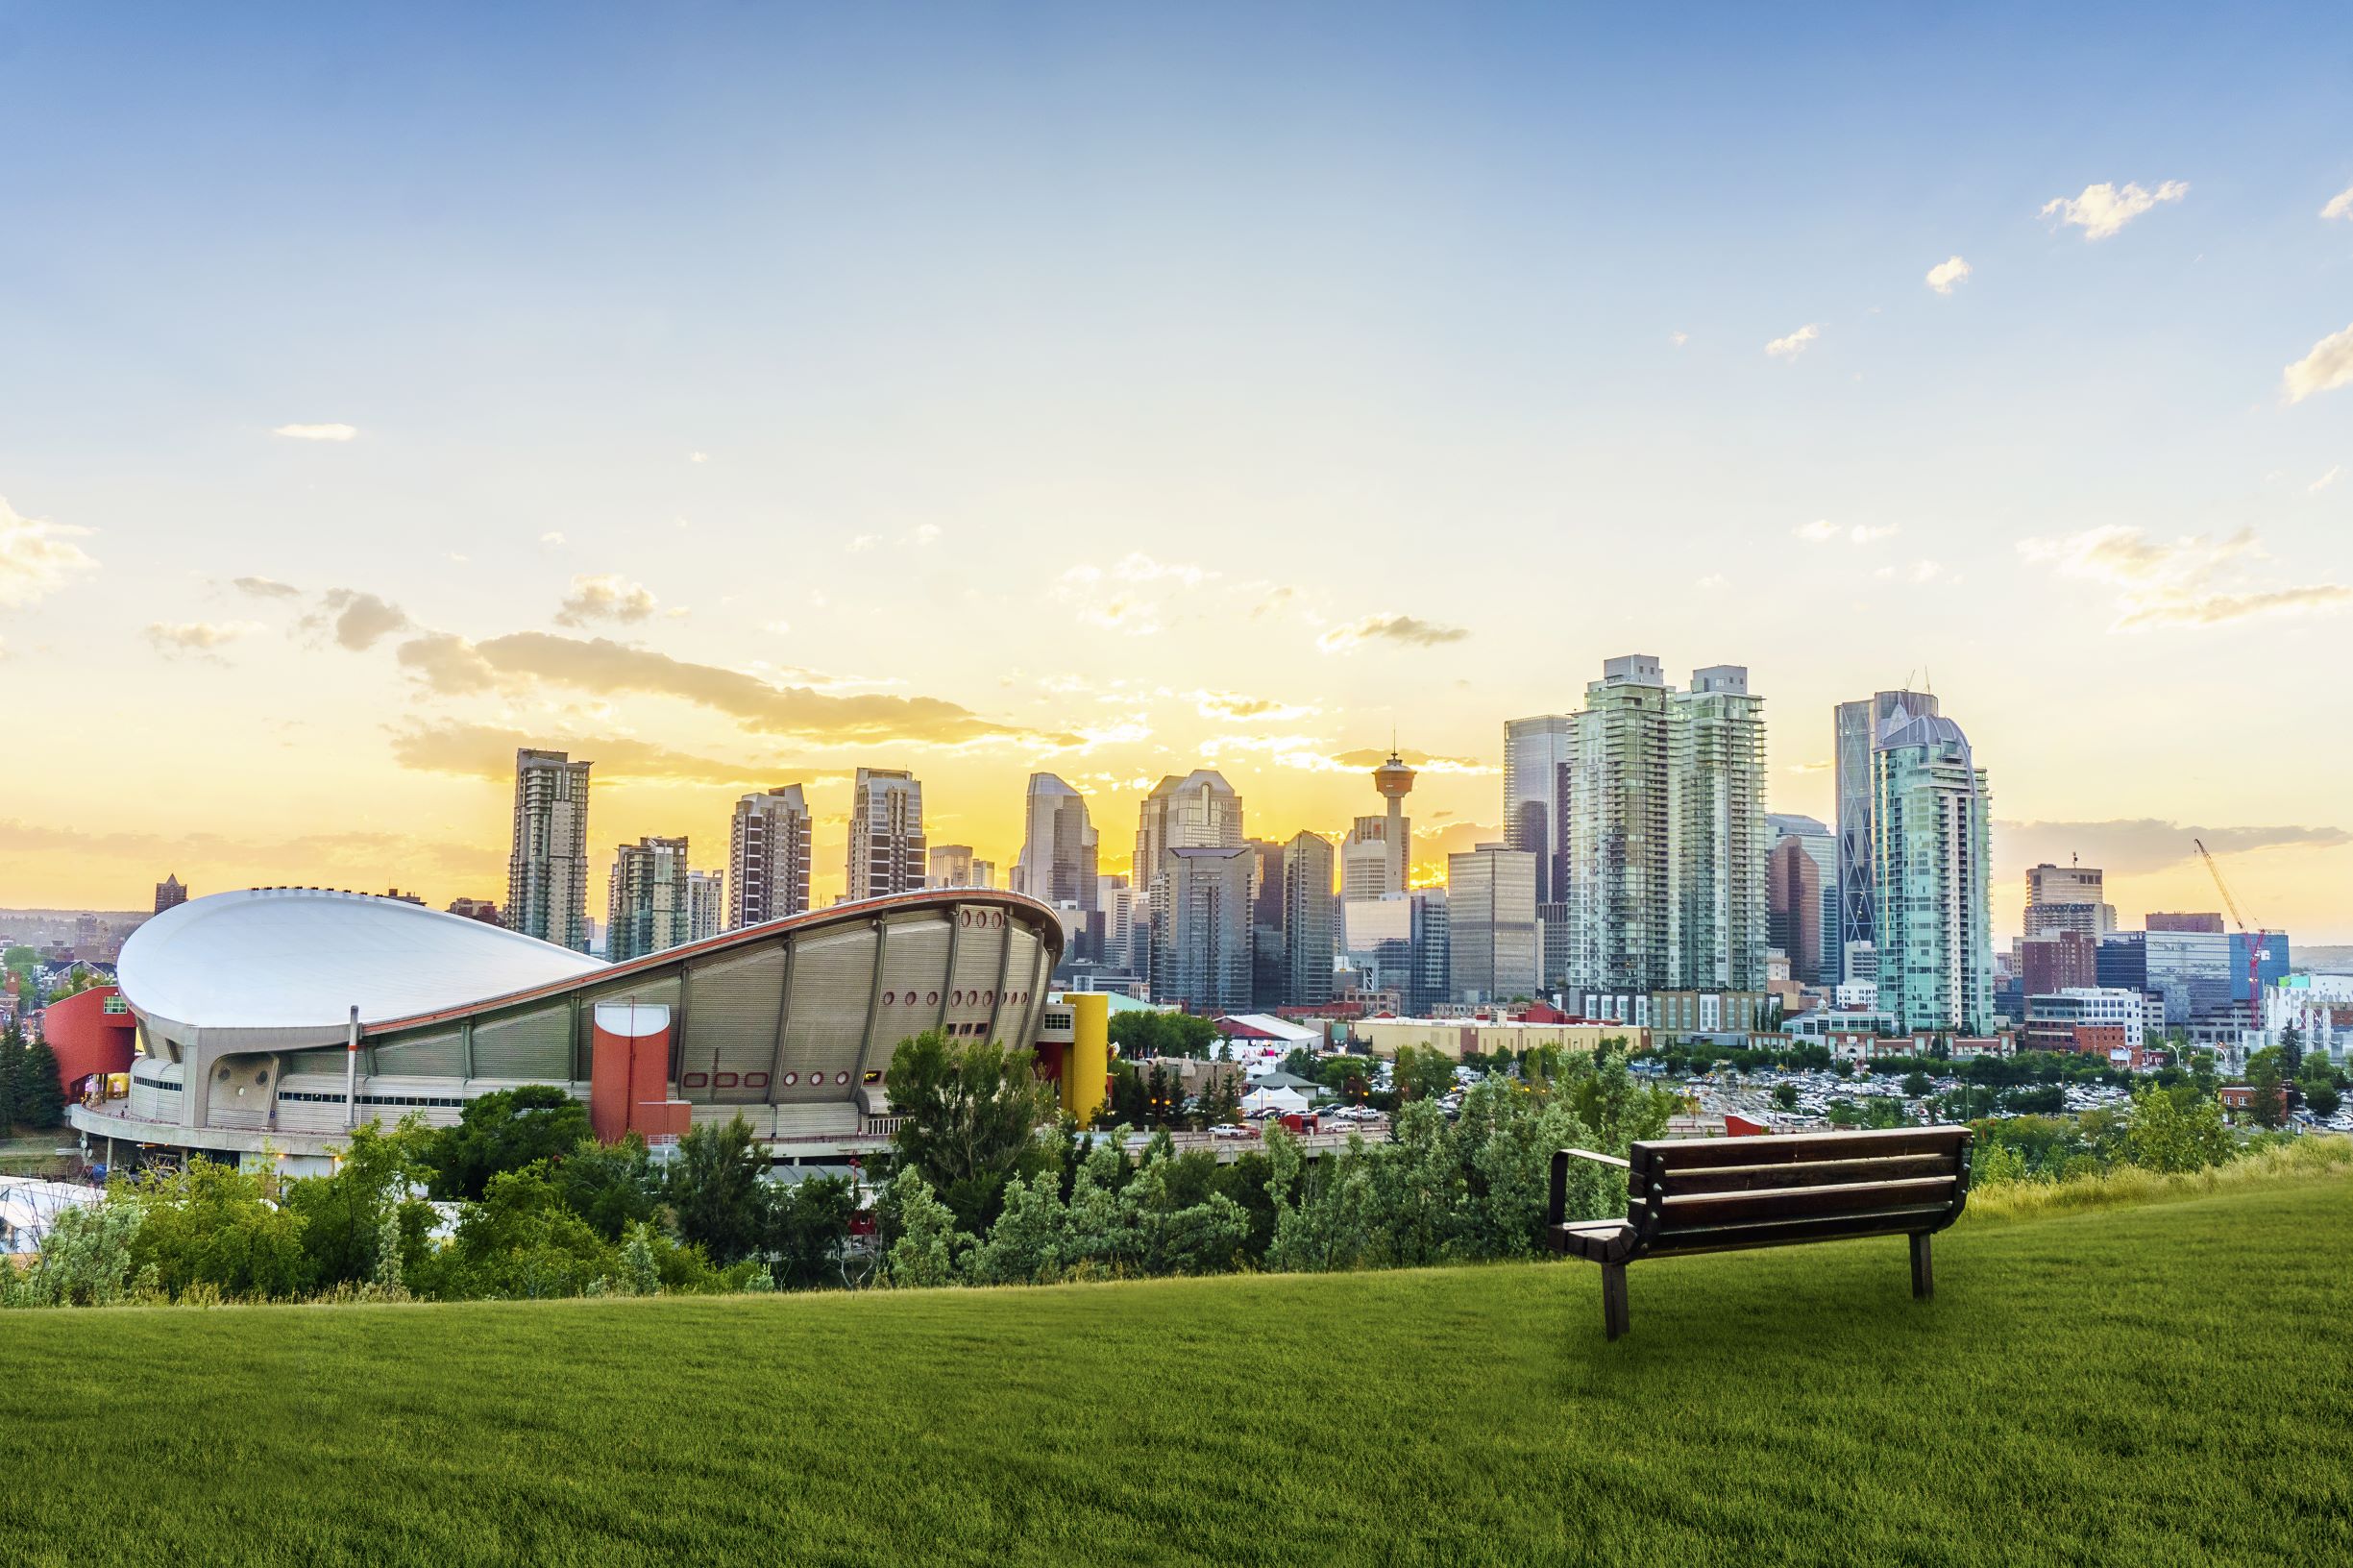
1718 1194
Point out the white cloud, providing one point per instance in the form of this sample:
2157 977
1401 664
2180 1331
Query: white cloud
2340 205
1713 581
861 543
782 629
1234 706
1794 345
551 537
1388 626
926 534
198 637
2102 209
36 556
2196 580
1946 273
697 457
266 588
1677 339
1821 531
1917 571
2328 367
2325 480
607 596
316 433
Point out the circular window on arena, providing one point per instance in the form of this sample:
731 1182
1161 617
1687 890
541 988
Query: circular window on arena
933 999
841 1077
890 998
955 998
791 1078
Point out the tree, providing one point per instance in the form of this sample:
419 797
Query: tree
518 1244
716 1190
807 1223
970 1113
40 1099
1915 1085
1422 1072
2266 1102
345 1215
929 1246
611 1185
1147 1034
214 1226
2163 1137
1785 1096
504 1131
11 1075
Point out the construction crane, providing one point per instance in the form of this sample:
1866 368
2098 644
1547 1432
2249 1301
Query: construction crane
2255 949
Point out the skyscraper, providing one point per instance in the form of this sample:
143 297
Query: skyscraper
886 833
768 857
2068 898
1430 948
546 869
1534 751
1662 839
1491 915
951 866
1057 863
1199 811
1793 901
1309 917
1929 815
1854 730
1269 967
1202 928
706 904
647 907
1716 834
1364 860
170 893
1819 966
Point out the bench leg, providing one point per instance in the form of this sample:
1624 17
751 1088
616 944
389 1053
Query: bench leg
1924 1283
1613 1299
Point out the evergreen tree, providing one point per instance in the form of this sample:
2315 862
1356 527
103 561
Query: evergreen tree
40 1099
11 1075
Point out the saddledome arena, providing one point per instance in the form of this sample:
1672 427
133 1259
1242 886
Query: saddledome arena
271 1021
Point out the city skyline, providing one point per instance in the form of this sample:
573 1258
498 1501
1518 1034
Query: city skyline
400 461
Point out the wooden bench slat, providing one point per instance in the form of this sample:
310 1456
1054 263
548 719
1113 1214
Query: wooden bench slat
1782 1148
1772 1232
1683 1209
1810 1174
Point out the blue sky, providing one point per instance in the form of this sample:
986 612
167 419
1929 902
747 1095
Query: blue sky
850 344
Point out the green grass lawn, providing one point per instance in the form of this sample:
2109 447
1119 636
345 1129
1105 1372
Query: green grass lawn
2167 1384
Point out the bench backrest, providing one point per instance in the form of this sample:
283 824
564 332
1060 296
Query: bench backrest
1717 1194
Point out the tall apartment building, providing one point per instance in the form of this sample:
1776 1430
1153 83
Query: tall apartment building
1057 863
1119 925
1202 928
768 847
547 867
886 833
706 904
1493 947
1430 978
647 907
1535 749
1854 730
1310 921
1929 810
1716 834
1662 838
170 893
1819 963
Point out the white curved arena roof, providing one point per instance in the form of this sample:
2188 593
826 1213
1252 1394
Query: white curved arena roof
301 958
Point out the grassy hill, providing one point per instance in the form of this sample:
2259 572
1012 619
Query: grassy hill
2151 1384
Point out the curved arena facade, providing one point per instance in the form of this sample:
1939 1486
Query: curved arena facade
274 1019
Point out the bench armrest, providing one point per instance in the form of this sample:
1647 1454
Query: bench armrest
1556 1209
